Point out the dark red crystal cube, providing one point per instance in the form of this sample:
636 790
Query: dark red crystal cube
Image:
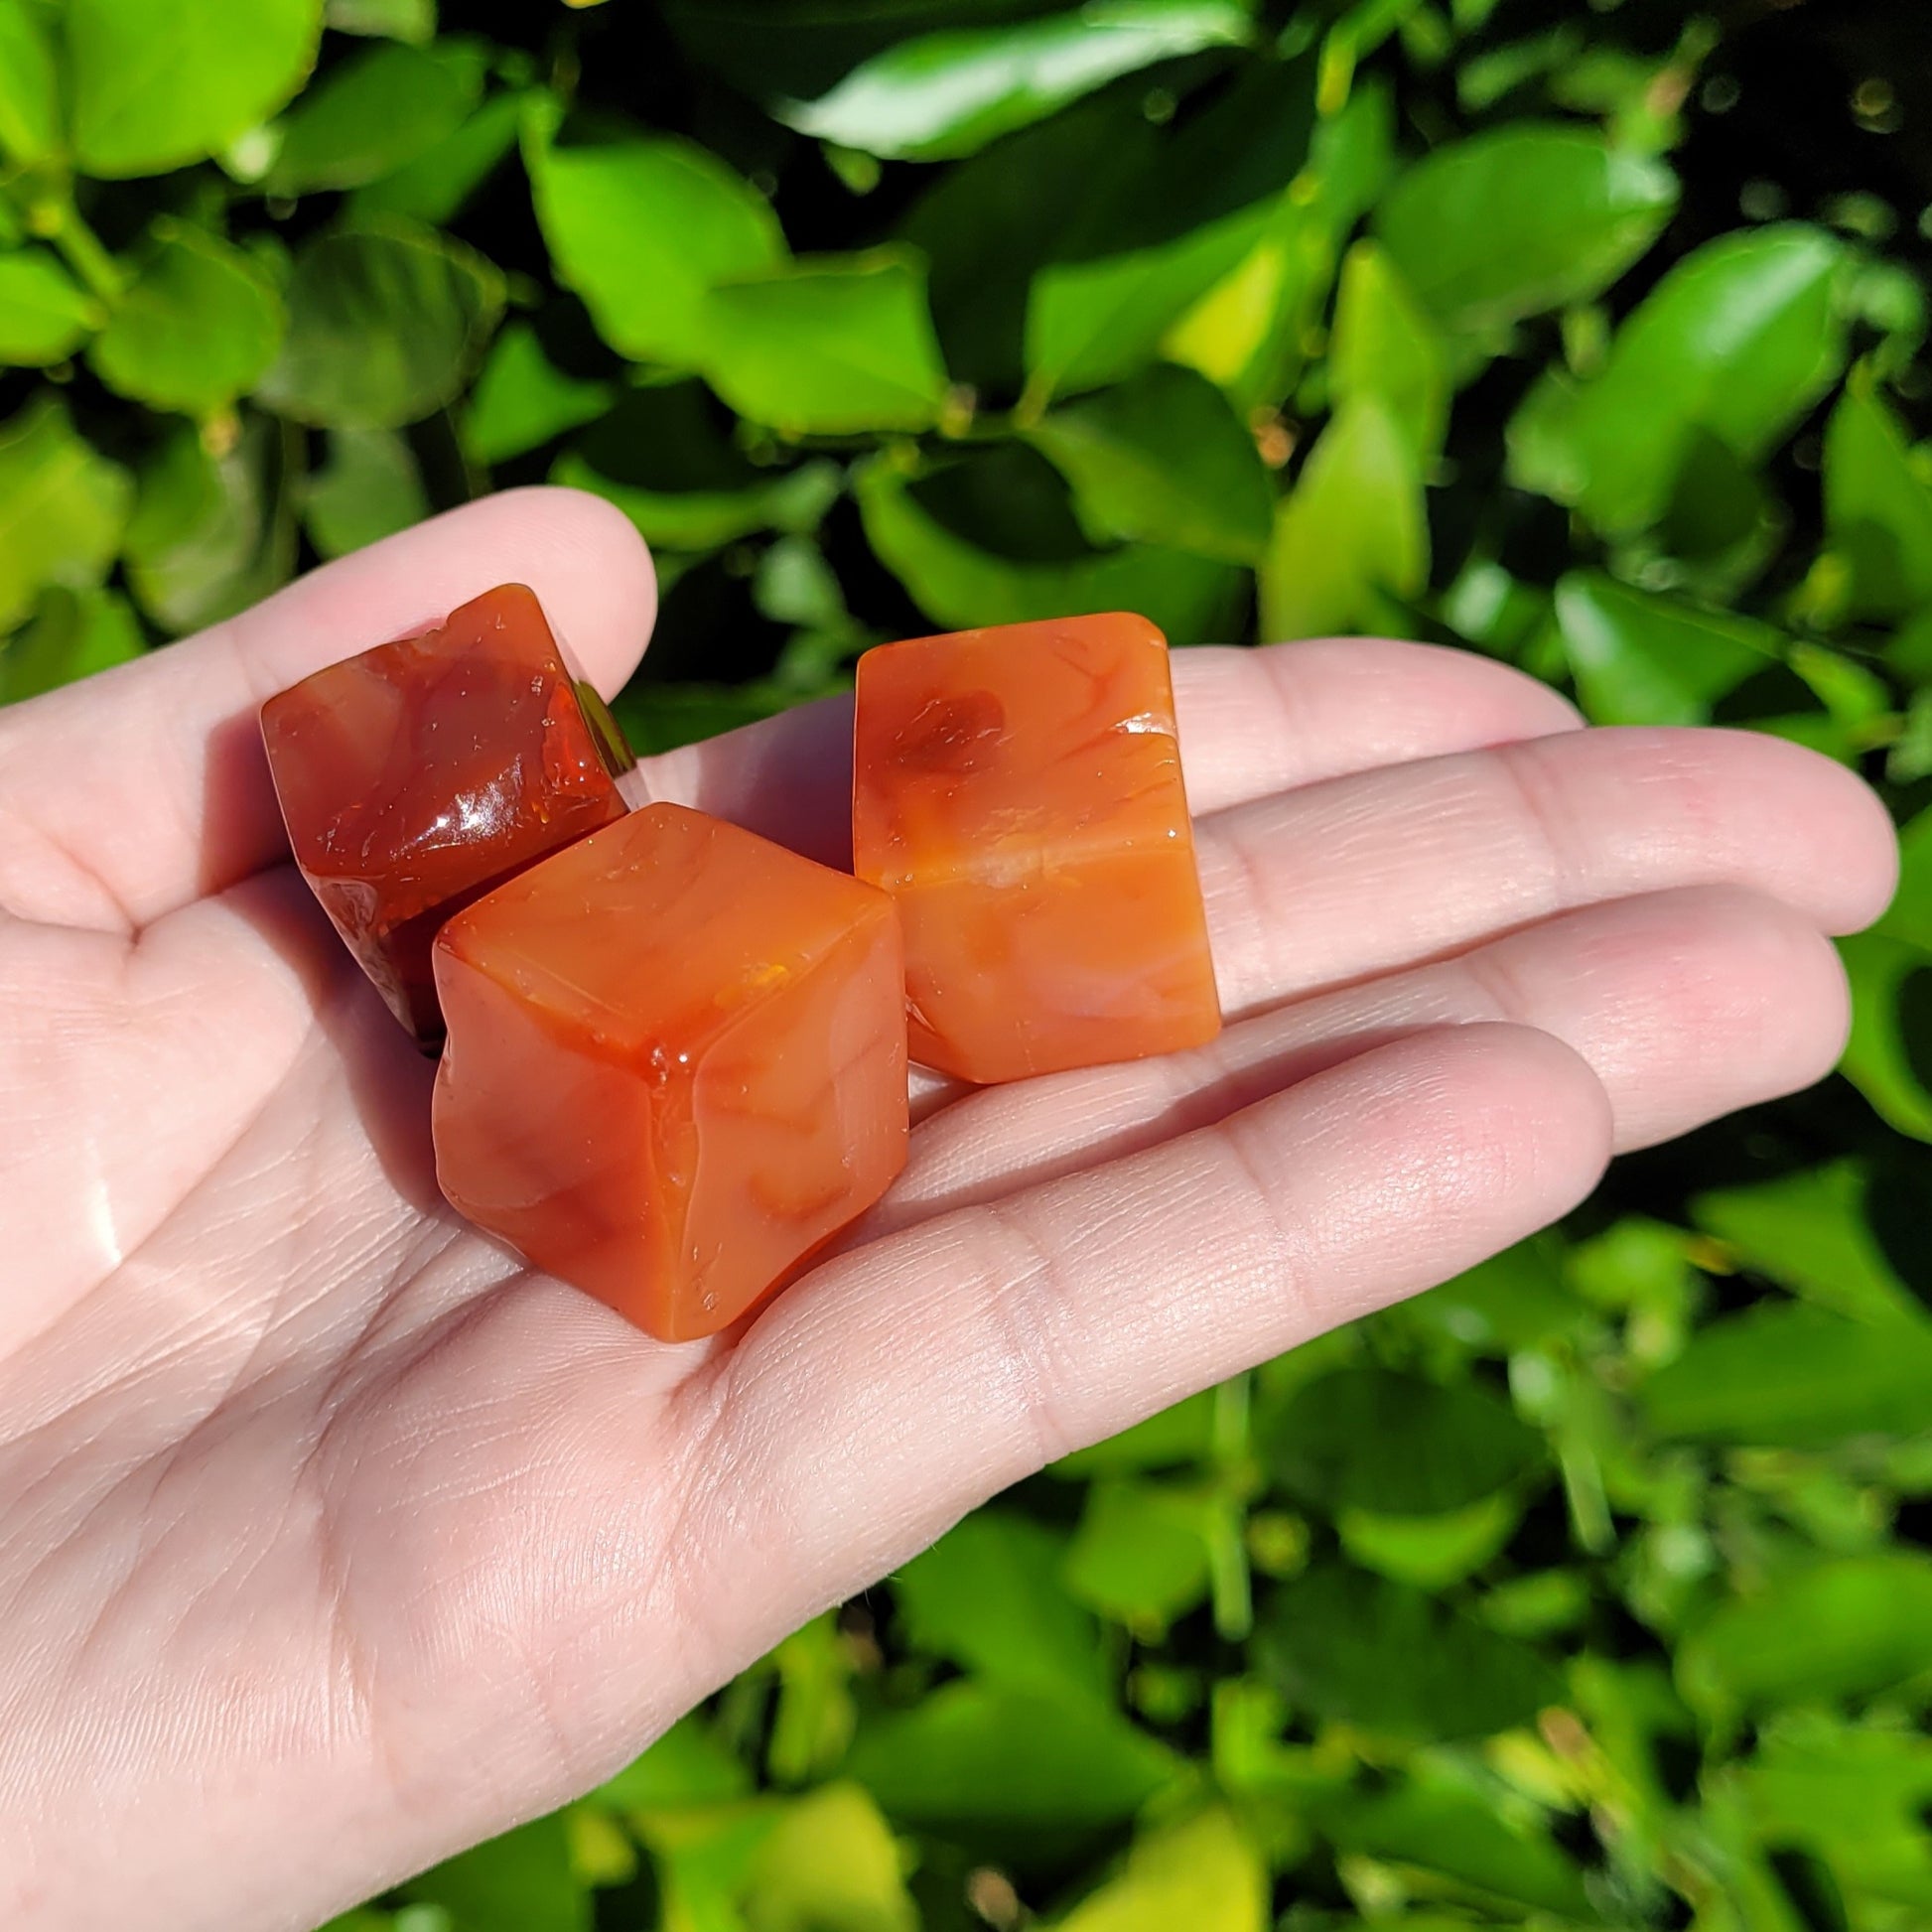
419 774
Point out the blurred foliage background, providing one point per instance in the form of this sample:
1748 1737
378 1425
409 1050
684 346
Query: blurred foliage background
1592 1589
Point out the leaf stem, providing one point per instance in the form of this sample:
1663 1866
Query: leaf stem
84 252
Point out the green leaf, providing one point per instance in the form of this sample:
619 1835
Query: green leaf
1910 916
73 634
1520 219
29 101
155 86
413 21
437 185
984 1757
959 585
1371 1439
1163 459
1787 1374
988 1595
1354 527
829 1861
1201 1873
199 327
522 401
45 314
1091 321
387 320
940 95
686 1766
1643 660
1453 1831
370 489
1431 1552
1815 1233
1839 1629
372 113
63 507
643 229
1183 1433
1387 348
1736 343
1397 1662
1142 1553
1889 1056
519 1882
213 535
826 346
1513 1300
1878 504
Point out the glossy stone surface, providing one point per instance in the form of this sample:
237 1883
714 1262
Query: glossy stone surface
1018 791
422 773
677 1064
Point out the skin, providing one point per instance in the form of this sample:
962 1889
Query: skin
332 1539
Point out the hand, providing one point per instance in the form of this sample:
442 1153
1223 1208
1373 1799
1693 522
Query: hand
332 1539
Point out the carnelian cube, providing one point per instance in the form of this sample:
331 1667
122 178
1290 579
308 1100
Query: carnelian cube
677 1064
1018 791
420 774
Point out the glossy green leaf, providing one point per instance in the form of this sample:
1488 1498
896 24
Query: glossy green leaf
369 488
975 1756
45 314
413 21
1878 504
1091 321
988 1595
1142 1553
1734 346
959 585
153 86
1789 1374
63 507
1393 1444
1817 1232
1394 1661
1454 1832
73 633
522 400
826 346
199 327
1353 528
213 535
830 1860
1163 459
370 114
519 1882
1386 348
29 101
1431 1552
1519 219
1640 658
949 94
1203 1873
1889 1056
1836 1630
643 229
386 321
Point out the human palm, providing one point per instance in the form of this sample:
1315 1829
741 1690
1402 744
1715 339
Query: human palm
331 1538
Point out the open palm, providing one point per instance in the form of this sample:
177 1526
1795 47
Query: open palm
331 1538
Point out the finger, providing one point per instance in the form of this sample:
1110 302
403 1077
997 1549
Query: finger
1685 1004
971 1351
1251 721
129 794
1370 873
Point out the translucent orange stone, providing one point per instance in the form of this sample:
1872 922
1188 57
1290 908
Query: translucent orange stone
420 774
1018 791
677 1064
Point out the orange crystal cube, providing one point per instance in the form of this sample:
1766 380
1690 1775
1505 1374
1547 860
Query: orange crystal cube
677 1064
420 774
1018 791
